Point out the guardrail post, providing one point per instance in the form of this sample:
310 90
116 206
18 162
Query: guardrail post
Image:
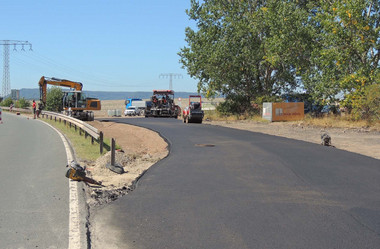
112 152
80 131
55 119
101 142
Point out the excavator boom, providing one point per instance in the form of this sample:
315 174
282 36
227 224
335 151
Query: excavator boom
44 81
74 102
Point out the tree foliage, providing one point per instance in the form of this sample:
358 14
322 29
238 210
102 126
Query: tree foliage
248 50
7 102
54 99
22 103
345 55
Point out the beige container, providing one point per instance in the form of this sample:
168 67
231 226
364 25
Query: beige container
290 111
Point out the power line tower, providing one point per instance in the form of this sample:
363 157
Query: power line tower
6 75
171 76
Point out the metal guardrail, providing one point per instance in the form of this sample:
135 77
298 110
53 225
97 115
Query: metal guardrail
77 124
92 131
23 110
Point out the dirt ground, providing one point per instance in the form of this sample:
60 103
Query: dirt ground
140 149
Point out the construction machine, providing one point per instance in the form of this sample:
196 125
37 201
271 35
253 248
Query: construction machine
162 104
75 104
193 113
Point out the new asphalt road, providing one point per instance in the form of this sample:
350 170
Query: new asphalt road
226 188
34 196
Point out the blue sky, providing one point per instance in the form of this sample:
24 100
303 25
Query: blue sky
108 45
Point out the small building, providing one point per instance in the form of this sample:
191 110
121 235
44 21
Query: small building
291 111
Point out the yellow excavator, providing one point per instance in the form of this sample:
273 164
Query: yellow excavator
75 104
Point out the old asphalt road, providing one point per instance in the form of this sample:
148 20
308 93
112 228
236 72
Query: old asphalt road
34 193
248 191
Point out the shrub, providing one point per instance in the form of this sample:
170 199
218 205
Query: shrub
366 105
6 102
22 103
54 99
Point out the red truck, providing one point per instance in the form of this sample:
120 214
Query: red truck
193 113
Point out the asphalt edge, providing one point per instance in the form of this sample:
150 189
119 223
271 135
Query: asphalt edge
169 143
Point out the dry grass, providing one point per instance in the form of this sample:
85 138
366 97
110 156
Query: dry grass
340 122
216 116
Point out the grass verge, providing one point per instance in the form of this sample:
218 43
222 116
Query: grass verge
82 146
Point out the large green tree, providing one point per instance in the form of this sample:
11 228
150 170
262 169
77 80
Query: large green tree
54 99
345 55
247 49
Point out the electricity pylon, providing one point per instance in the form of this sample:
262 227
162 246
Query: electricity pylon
6 75
171 76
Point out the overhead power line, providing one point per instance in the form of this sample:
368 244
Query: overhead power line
171 76
6 71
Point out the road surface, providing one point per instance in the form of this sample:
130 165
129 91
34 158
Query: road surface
34 210
227 188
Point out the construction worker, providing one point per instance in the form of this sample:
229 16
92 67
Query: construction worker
39 110
34 109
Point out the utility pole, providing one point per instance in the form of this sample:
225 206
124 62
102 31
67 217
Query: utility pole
171 76
6 75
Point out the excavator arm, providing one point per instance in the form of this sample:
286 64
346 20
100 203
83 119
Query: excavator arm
44 81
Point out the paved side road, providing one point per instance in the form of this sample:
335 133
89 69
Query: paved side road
34 210
248 191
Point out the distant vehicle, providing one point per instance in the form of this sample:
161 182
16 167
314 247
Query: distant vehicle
138 103
162 104
131 102
131 111
193 113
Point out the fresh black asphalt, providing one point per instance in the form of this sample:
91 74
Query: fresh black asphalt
248 191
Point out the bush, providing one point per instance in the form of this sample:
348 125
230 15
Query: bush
367 105
54 99
22 103
6 102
